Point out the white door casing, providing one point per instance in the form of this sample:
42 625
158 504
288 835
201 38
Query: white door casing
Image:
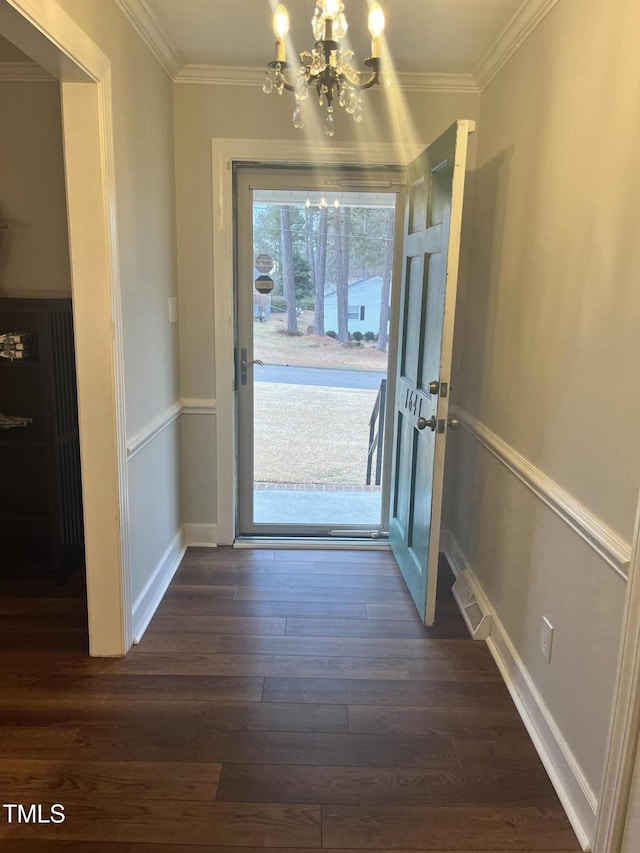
225 154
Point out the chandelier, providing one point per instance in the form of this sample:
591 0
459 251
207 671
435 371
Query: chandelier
328 67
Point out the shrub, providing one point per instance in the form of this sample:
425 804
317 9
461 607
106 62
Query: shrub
357 336
278 303
369 336
331 334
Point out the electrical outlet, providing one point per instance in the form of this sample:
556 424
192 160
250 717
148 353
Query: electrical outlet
173 309
546 639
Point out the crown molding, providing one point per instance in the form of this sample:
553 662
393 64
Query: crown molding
519 28
431 82
517 31
24 72
152 34
227 75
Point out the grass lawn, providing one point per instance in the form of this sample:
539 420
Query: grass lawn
273 346
311 434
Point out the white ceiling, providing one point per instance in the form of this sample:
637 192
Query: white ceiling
433 44
423 36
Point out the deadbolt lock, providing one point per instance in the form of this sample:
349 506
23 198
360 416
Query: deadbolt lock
434 387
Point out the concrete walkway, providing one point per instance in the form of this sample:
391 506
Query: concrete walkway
286 506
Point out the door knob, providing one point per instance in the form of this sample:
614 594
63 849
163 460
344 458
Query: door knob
453 423
423 423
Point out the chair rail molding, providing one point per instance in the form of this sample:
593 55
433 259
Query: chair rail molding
198 406
153 428
611 547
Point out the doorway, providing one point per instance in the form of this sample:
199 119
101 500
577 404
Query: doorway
314 329
85 77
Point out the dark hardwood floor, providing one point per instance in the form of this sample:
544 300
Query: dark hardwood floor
282 699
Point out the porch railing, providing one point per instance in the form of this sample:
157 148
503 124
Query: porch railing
376 434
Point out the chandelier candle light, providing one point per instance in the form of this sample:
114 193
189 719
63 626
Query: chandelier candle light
328 67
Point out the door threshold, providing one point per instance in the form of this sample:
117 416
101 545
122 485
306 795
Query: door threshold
328 543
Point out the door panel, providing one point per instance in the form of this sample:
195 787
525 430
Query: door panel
431 254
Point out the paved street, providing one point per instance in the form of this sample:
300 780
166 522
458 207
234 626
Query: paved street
285 374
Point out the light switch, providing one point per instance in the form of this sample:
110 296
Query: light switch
173 309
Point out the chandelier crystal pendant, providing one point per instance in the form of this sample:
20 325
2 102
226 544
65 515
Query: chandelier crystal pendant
328 67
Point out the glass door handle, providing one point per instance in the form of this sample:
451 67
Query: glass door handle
244 364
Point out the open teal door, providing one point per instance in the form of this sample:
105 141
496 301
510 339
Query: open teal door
429 282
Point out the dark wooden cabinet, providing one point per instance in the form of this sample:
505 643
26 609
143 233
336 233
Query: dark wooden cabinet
41 526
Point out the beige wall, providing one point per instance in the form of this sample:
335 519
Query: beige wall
145 205
551 351
34 251
205 112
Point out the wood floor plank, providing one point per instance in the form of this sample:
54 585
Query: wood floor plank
39 624
64 641
318 555
31 781
183 687
186 823
252 577
387 786
33 846
457 651
445 694
225 555
436 828
204 715
369 628
284 666
38 687
48 606
195 593
504 749
320 594
334 566
148 741
214 608
167 643
36 741
485 723
217 625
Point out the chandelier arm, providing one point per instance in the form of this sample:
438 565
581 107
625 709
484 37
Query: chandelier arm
282 67
357 83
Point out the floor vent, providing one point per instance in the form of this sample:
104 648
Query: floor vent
478 623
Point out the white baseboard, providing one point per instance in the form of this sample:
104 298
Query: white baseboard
201 535
578 799
147 602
